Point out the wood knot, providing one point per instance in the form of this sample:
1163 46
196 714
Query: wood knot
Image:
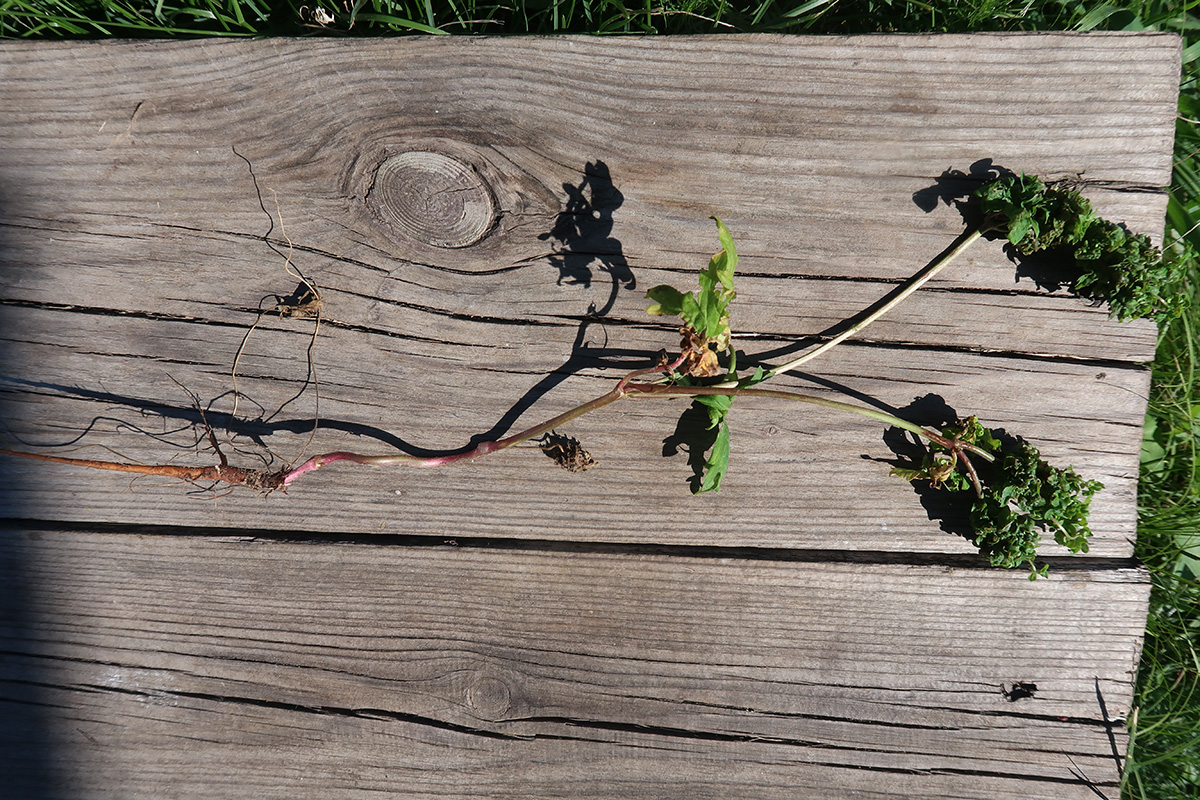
433 198
489 696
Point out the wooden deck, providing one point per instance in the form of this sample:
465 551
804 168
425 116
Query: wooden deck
507 628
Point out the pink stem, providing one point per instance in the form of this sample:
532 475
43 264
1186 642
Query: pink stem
483 448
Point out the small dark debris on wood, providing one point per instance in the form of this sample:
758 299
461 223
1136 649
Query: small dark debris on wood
566 451
303 302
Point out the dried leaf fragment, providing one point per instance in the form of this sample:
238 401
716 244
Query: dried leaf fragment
566 451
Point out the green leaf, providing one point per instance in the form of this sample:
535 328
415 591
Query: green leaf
724 262
1019 227
717 406
756 378
693 313
707 334
705 314
909 473
712 312
1108 262
717 463
1023 495
668 301
716 288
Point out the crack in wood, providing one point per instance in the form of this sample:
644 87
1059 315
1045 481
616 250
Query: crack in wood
1126 569
487 319
1016 355
808 716
637 730
567 321
323 710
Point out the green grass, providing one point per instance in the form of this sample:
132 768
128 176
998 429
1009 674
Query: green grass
1164 757
1164 751
72 18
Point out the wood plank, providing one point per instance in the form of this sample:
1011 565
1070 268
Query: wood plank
777 300
133 233
236 664
778 493
817 175
508 629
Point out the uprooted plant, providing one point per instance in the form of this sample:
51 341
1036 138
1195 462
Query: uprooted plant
1016 495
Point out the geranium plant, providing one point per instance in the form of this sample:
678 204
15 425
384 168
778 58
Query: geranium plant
1016 495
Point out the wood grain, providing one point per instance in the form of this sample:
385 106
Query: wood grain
785 459
149 237
241 664
481 218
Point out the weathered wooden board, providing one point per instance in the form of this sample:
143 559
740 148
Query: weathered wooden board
130 214
596 634
234 666
778 494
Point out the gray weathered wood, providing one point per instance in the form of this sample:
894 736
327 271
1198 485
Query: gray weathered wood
144 218
482 218
777 495
245 665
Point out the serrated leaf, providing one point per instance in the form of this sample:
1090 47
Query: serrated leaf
712 311
1105 261
717 463
1019 227
706 334
1023 496
691 313
717 406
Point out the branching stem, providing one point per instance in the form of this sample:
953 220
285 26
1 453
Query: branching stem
658 390
625 387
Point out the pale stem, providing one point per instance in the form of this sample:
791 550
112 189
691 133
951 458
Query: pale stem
914 283
658 390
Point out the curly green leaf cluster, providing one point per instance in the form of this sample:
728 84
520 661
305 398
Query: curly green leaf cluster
1037 217
1018 496
1111 263
1023 496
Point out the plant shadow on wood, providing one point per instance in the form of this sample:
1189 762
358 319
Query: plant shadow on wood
695 435
583 231
585 249
584 245
951 510
955 188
